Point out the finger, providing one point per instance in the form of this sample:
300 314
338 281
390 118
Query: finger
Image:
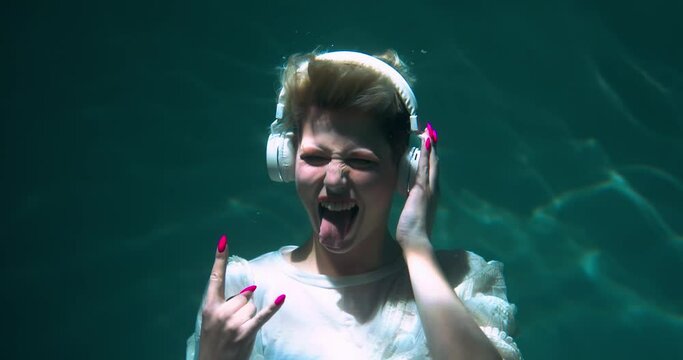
421 178
252 325
215 292
432 133
235 302
434 170
433 158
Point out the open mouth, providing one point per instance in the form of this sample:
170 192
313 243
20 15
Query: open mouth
336 221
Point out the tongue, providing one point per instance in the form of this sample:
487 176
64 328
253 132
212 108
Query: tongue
334 227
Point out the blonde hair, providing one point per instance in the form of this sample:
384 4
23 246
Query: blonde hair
334 85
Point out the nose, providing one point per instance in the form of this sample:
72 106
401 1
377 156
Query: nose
336 176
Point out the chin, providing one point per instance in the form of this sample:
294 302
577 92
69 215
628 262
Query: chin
343 248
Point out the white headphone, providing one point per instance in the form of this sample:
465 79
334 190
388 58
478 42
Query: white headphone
280 152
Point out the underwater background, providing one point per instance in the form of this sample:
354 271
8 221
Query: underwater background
133 136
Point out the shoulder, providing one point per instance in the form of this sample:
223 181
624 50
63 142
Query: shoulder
237 275
241 273
268 262
471 273
481 287
454 264
248 272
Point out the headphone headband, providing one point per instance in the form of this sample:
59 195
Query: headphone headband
352 57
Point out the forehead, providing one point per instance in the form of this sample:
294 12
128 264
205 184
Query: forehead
351 124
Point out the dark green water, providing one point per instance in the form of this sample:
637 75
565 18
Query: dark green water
133 135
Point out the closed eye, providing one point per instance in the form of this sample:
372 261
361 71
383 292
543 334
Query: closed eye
360 163
314 160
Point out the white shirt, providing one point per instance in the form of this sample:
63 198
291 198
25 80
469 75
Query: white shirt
366 316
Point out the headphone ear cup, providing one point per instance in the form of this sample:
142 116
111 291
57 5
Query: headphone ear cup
280 157
287 154
407 170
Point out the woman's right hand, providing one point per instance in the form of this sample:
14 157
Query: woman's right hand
229 327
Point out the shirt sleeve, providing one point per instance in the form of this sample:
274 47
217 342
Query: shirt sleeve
481 288
237 277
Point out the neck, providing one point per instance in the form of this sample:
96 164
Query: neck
366 256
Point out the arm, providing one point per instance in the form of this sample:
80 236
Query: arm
451 331
227 327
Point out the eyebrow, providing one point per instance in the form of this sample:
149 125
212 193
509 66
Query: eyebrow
364 152
307 147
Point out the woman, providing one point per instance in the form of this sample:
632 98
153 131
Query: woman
341 134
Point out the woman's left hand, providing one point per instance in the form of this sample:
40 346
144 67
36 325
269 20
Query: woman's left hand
415 224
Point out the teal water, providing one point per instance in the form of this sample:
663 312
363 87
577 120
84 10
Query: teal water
133 135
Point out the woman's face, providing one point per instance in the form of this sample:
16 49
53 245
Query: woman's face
345 177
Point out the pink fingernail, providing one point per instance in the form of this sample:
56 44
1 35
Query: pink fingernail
428 144
248 289
222 243
280 299
432 133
